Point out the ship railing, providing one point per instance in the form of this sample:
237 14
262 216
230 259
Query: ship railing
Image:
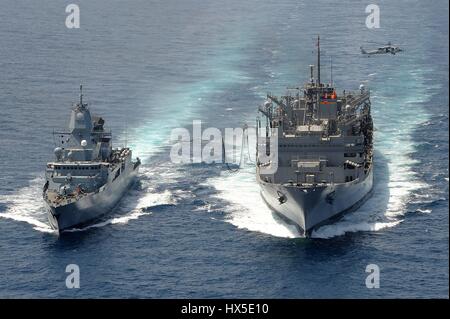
66 132
306 185
309 157
67 198
357 99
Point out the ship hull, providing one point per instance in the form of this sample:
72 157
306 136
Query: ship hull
310 208
92 206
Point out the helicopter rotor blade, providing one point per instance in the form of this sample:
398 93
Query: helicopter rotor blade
388 43
378 43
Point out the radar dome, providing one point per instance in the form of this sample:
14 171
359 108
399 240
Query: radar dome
79 116
83 143
58 153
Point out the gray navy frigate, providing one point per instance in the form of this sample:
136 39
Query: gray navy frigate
88 177
321 165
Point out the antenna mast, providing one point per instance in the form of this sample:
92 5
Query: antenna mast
126 132
81 95
318 60
331 69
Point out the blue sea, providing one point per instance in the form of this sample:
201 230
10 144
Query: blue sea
199 230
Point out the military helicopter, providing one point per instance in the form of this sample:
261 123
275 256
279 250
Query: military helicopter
385 49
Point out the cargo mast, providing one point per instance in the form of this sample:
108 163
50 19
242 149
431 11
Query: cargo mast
318 60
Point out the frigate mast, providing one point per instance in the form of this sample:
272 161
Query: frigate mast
81 94
81 97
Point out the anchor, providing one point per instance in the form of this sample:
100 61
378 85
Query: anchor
330 197
281 197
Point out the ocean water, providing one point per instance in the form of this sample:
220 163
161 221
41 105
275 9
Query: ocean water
200 230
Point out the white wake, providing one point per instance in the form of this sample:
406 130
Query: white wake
26 206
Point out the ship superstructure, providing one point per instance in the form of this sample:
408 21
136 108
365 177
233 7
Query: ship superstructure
324 152
88 177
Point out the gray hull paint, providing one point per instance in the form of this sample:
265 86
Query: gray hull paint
310 208
92 206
